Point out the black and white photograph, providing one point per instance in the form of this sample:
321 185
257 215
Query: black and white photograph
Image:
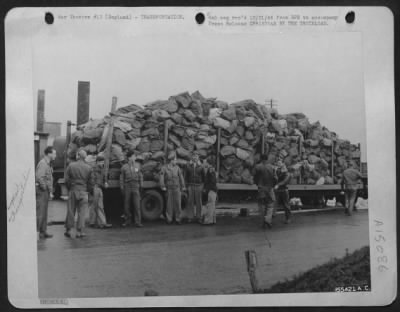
199 154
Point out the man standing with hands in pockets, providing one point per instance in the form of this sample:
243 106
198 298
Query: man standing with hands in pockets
79 181
171 181
131 183
281 189
44 190
265 179
351 178
194 178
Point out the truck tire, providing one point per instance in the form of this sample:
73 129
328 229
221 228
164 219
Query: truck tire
152 205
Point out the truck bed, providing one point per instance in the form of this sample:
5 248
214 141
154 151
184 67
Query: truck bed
246 187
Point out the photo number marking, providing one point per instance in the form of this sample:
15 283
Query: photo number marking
380 239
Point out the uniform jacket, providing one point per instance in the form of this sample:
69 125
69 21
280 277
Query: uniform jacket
78 176
44 175
194 174
283 178
264 175
171 177
351 177
130 177
97 172
98 176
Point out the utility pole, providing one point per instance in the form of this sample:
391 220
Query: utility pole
107 152
271 102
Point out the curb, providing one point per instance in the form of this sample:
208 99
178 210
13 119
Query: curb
234 212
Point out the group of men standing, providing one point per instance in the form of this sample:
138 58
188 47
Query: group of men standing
85 182
272 182
84 187
198 179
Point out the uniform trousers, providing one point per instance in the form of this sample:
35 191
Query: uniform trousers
42 207
350 195
282 199
174 209
132 196
97 215
77 203
195 192
266 199
209 216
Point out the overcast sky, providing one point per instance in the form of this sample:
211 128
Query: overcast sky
317 74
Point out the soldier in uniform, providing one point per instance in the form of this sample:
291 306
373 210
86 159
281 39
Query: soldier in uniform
97 216
351 178
131 183
264 177
171 181
281 189
79 181
44 190
194 179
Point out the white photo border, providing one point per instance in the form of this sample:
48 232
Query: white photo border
377 29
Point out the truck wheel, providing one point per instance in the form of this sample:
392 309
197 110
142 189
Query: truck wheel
152 205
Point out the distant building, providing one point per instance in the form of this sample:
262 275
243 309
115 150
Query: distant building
53 129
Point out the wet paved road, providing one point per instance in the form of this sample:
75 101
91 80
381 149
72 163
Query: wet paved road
192 259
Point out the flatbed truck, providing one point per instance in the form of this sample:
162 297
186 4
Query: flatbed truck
153 199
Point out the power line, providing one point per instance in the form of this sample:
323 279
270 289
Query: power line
271 102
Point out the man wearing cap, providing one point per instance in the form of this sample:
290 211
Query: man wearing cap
97 216
44 190
264 177
351 178
79 181
281 189
194 178
171 181
131 183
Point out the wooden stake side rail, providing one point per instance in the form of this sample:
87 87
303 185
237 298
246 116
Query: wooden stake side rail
165 143
332 160
218 152
107 154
